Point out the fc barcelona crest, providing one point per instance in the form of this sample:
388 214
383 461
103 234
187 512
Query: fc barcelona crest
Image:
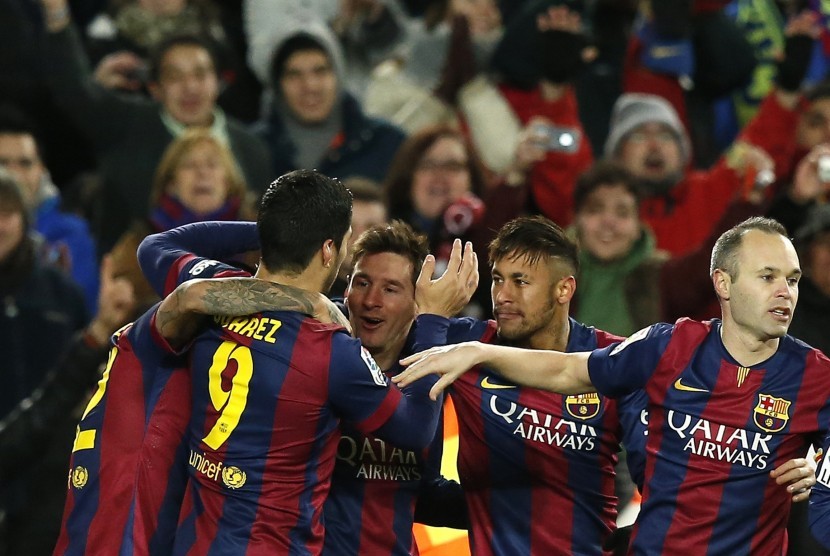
771 414
583 406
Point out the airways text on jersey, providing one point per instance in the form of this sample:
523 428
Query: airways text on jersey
720 442
373 459
544 428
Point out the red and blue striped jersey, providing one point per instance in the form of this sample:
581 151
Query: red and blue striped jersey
715 431
371 505
126 479
269 391
819 514
525 453
108 440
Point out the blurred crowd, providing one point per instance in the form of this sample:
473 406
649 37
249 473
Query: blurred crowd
644 127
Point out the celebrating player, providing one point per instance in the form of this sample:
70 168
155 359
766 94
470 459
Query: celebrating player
728 400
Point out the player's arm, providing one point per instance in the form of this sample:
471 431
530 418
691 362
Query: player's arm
182 313
565 373
160 255
799 474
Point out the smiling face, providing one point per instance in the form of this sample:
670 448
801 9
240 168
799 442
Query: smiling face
441 177
608 223
187 84
651 152
309 85
381 302
200 181
761 299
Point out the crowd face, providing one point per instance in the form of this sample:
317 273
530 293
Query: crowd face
11 230
762 299
523 298
814 124
381 302
652 152
187 85
441 177
200 181
608 223
19 155
309 86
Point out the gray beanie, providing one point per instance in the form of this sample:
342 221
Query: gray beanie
635 109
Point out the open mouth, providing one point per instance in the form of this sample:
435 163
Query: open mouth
781 313
370 323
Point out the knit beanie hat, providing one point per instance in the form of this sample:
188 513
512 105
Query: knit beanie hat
635 109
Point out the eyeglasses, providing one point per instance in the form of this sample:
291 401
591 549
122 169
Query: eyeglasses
454 166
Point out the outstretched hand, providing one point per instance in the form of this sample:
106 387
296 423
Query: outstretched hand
449 362
449 293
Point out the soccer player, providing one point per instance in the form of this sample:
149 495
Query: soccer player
728 399
269 391
142 397
522 450
376 484
371 478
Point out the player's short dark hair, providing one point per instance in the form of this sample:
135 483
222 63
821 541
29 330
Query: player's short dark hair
395 237
299 211
534 238
724 253
300 42
158 53
601 174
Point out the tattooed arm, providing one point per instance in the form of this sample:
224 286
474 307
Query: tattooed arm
180 315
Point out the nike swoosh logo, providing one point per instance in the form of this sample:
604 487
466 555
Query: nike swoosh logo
683 388
485 383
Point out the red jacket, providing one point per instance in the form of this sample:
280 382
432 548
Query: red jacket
552 179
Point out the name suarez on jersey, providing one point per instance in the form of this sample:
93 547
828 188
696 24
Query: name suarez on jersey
720 442
374 459
544 428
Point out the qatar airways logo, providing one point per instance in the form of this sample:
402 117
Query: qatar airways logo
721 442
374 459
544 428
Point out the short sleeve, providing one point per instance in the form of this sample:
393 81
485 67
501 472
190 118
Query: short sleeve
622 368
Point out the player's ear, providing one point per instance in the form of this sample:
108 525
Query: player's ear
329 253
722 283
565 289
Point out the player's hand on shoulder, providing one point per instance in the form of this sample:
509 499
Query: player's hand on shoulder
449 362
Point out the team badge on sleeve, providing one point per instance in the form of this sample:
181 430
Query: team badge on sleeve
374 368
771 414
583 406
639 335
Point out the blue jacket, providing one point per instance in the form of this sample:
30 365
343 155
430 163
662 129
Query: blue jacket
69 233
